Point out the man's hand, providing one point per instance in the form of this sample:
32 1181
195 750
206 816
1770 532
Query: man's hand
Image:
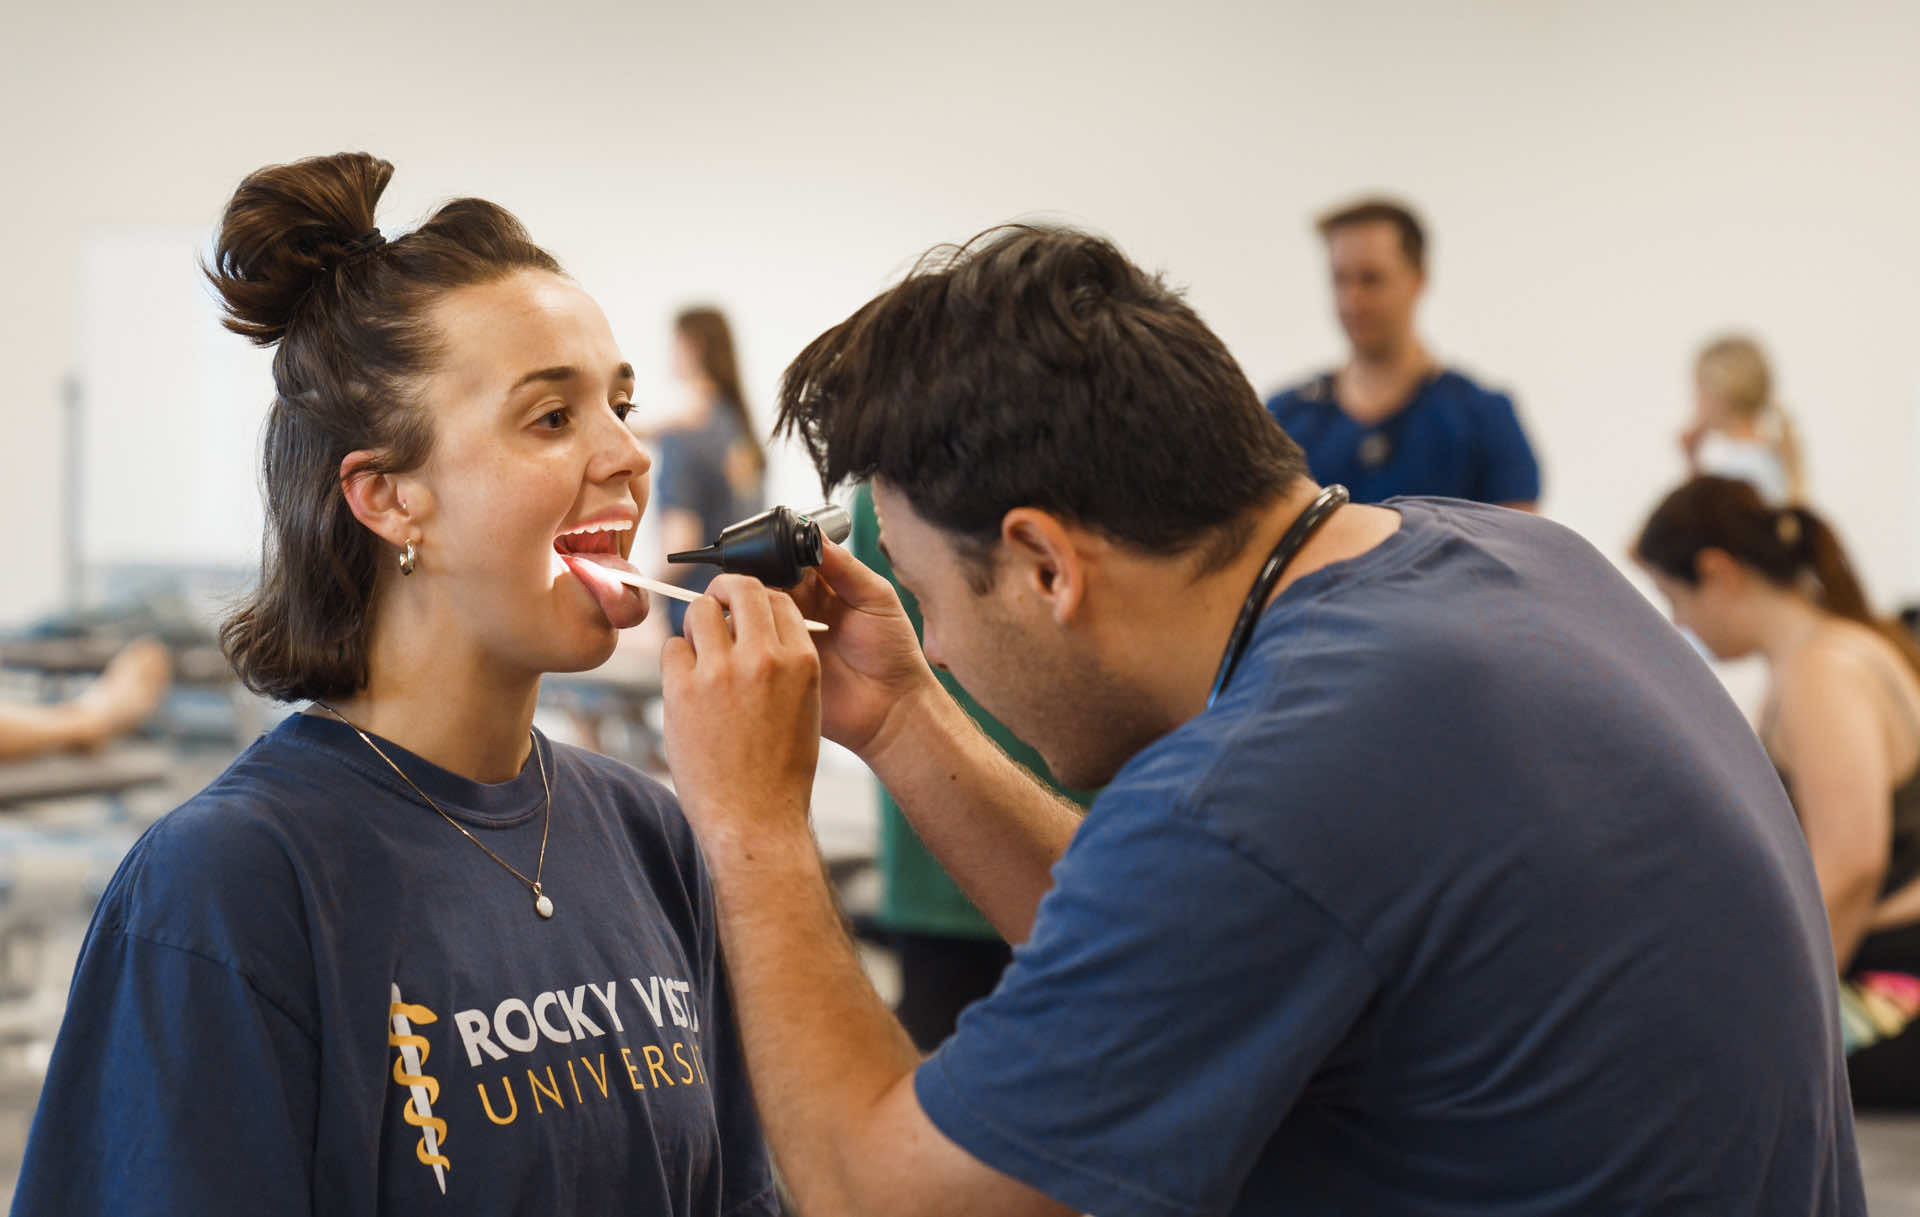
871 665
742 712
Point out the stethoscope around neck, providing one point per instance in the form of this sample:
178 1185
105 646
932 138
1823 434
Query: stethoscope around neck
1297 535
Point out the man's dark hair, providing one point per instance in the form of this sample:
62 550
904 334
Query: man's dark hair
1413 238
1038 367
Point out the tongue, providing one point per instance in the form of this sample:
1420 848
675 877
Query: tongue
624 606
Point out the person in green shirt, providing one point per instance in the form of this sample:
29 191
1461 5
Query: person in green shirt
950 955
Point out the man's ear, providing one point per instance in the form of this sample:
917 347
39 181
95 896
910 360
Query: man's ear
1043 556
391 505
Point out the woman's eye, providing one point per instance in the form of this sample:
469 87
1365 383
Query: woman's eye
621 409
554 420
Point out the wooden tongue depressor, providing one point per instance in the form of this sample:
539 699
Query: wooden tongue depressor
635 579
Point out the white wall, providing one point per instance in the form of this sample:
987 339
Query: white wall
1608 183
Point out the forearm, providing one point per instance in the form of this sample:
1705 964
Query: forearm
1850 913
994 827
822 1049
1900 909
27 731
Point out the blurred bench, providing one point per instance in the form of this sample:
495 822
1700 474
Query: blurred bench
110 772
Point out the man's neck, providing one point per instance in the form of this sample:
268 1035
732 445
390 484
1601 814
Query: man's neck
1180 638
1376 384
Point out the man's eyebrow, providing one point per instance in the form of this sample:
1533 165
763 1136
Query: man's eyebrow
564 372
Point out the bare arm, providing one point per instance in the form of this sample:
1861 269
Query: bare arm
994 828
29 731
1898 910
127 691
832 1070
1833 745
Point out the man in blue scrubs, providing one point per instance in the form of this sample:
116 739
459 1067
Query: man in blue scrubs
1392 421
1467 890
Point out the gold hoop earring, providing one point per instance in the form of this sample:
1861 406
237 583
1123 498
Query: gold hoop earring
409 558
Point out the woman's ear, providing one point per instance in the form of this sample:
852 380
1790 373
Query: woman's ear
1718 569
380 501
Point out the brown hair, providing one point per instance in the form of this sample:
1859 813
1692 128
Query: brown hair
1787 546
1413 237
299 264
1733 367
1038 366
707 332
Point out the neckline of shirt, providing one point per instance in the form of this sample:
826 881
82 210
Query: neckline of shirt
505 804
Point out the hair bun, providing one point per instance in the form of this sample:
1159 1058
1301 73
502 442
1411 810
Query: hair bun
286 228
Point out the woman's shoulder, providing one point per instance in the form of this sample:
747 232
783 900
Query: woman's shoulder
1844 673
218 877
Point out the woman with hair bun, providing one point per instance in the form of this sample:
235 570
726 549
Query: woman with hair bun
1842 724
406 953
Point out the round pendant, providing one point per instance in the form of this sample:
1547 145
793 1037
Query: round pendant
543 906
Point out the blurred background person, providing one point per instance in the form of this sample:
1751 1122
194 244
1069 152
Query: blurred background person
1738 430
710 468
1841 722
1392 420
126 693
950 955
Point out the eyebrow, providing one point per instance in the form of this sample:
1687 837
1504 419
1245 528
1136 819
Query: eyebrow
564 372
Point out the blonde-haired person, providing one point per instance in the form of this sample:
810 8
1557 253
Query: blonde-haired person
1738 429
408 954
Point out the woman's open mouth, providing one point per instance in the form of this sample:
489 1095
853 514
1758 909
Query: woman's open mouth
581 547
600 538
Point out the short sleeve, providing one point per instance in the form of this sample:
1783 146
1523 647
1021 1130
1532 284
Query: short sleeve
1506 471
1174 1002
175 1087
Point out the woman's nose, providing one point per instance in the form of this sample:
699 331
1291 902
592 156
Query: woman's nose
618 451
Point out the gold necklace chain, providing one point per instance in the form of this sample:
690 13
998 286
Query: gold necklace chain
542 904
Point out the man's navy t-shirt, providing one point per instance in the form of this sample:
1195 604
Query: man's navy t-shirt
1473 893
1454 438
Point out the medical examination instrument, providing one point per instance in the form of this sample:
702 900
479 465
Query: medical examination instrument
1298 534
776 546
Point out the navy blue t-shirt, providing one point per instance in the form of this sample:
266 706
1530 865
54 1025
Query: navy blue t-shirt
1473 893
306 993
1453 439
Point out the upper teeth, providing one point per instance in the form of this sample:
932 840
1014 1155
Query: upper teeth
608 526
